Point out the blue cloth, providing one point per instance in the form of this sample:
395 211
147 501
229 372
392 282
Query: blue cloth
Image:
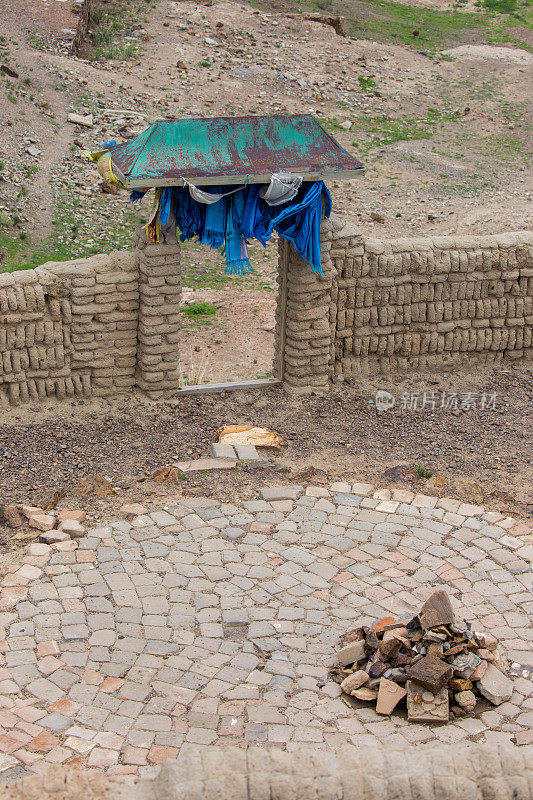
237 261
245 215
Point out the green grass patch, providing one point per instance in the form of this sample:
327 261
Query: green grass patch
199 314
200 310
381 129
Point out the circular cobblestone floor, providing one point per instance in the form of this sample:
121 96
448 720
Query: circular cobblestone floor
208 622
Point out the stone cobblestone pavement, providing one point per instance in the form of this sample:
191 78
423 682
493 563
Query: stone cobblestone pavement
211 622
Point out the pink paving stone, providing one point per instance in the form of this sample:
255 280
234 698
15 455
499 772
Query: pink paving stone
29 510
9 687
76 514
8 720
64 706
73 528
85 556
29 713
424 501
73 605
100 757
42 743
111 685
49 648
260 527
58 755
4 647
29 728
108 740
66 546
402 495
11 579
520 529
43 522
28 572
135 755
92 678
470 510
382 494
81 746
9 743
49 664
26 757
122 769
158 753
388 506
39 549
340 577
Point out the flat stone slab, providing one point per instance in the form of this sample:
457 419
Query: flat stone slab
208 622
221 450
206 463
281 492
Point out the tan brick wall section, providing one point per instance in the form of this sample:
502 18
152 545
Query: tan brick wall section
407 304
106 324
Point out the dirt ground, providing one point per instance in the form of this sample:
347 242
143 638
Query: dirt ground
481 456
446 138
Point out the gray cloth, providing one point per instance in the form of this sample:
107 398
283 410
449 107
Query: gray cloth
282 187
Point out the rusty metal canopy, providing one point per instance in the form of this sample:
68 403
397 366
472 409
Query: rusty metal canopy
230 150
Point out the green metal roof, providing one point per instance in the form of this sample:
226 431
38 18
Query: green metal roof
226 150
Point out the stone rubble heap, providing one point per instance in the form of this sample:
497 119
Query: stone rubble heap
55 526
434 661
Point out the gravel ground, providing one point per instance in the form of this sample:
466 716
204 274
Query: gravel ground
482 455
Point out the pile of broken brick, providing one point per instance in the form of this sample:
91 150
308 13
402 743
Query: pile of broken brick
433 660
54 526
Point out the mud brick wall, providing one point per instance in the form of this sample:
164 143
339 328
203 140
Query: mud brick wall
95 326
409 304
159 314
69 329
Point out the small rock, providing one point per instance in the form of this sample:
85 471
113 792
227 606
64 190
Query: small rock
383 623
479 671
465 664
354 681
364 693
495 686
437 610
74 514
52 537
460 684
346 125
33 151
352 653
221 450
424 706
486 641
466 700
131 510
29 510
389 695
38 549
72 527
430 672
43 522
78 119
376 216
12 516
